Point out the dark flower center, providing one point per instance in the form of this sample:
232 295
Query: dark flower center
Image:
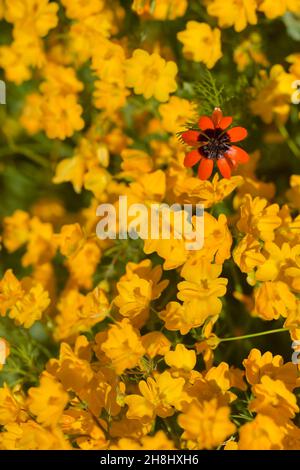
215 143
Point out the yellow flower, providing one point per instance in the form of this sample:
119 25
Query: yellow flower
155 344
25 300
18 58
123 346
193 190
272 10
272 95
15 230
151 75
137 288
150 187
81 423
83 264
72 368
70 239
159 397
108 61
273 299
79 313
135 162
247 254
183 317
62 116
10 291
272 398
182 358
134 298
40 247
59 80
76 9
48 400
176 114
261 434
201 43
161 9
216 383
172 250
258 365
202 286
258 218
206 425
157 442
35 16
250 51
276 261
116 91
32 436
237 13
12 406
30 308
217 240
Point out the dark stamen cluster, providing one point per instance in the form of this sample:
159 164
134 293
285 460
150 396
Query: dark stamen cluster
216 142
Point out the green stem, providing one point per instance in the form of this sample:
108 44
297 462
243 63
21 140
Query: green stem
293 147
253 335
34 157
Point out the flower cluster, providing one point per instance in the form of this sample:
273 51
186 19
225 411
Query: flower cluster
147 344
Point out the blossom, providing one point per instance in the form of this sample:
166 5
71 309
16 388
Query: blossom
151 75
205 424
62 116
35 16
24 301
12 406
156 344
258 218
250 51
176 113
123 346
182 317
272 94
272 398
213 143
158 397
157 442
32 436
137 288
201 43
257 365
272 11
162 9
181 358
233 13
48 400
203 287
261 434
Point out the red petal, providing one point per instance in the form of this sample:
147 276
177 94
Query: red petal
217 117
205 168
205 123
237 133
224 167
192 158
225 122
237 154
191 137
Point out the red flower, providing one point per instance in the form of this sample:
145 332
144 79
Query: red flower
214 143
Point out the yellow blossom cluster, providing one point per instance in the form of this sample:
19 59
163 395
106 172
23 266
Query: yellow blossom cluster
145 343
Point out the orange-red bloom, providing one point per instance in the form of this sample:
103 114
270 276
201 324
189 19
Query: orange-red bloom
214 143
